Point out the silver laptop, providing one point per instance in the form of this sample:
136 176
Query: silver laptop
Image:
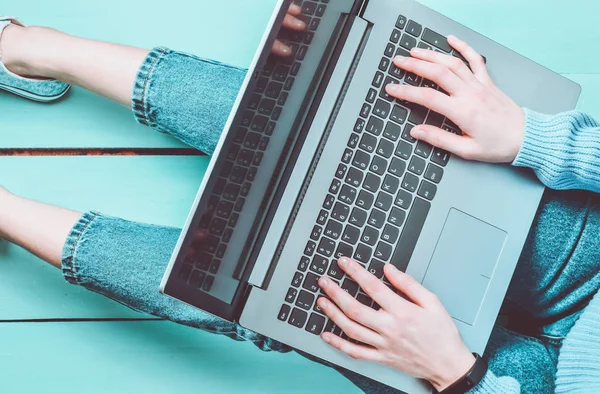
316 161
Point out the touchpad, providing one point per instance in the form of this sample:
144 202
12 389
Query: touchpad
463 264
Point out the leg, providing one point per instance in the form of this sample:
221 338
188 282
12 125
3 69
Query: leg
107 69
173 92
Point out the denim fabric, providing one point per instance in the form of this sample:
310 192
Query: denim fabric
191 99
185 96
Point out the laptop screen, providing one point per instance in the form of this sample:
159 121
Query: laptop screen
220 240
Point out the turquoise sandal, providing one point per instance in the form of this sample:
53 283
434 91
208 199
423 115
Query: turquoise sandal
42 90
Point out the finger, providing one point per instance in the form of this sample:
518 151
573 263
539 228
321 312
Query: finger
291 22
295 9
353 309
280 49
357 352
459 145
438 73
349 326
453 63
370 284
475 59
427 97
412 289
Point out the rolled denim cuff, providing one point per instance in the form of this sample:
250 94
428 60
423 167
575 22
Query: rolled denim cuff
186 96
70 269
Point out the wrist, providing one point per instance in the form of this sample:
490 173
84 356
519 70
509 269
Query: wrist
458 366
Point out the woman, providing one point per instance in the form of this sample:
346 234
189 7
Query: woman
554 285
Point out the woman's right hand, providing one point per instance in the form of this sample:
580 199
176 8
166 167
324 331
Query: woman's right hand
493 125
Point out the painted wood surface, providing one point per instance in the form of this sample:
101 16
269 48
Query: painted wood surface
160 357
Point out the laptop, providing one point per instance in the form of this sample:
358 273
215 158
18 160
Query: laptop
316 162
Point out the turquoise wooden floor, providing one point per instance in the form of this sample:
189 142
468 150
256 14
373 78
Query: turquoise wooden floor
71 350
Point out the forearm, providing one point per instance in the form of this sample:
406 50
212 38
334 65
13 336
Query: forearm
563 150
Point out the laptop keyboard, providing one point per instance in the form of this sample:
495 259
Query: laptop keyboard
246 153
382 189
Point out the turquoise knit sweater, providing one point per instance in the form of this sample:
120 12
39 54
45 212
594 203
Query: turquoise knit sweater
564 152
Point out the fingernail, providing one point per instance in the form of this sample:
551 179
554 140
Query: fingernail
343 262
326 338
399 59
392 87
323 304
323 282
286 50
417 51
417 133
393 267
301 24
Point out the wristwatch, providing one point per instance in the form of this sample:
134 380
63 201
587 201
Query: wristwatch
470 379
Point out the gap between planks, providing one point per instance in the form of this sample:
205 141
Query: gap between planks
100 152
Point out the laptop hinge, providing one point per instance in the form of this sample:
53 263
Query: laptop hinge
341 71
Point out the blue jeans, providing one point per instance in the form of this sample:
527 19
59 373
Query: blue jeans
190 98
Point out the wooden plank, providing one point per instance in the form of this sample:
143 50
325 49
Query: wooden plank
148 189
150 358
226 30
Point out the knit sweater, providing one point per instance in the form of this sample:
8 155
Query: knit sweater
564 152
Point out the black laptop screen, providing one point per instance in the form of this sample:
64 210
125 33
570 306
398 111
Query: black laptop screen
222 235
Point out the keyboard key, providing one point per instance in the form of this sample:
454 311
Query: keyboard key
369 236
376 268
335 186
291 295
427 190
350 287
284 312
197 279
395 37
423 149
208 282
335 271
351 235
392 131
340 212
414 80
309 250
329 200
403 150
378 79
348 194
298 318
396 72
397 167
326 247
309 8
440 157
359 126
410 234
365 200
364 299
314 24
368 143
378 165
365 110
304 263
435 119
375 125
353 141
361 160
363 253
383 251
341 171
390 233
429 84
372 182
422 45
320 10
437 40
397 216
390 184
408 42
401 22
410 183
281 73
385 149
384 201
305 300
377 218
417 165
434 173
389 50
414 28
316 233
322 218
382 109
406 133
399 114
354 177
347 158
371 96
310 283
333 229
417 114
214 267
358 217
343 250
388 81
273 90
315 324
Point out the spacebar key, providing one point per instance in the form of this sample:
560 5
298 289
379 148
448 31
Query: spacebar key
410 234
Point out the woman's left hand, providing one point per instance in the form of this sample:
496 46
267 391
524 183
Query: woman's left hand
414 334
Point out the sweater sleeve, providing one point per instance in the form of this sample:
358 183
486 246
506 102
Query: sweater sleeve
563 150
491 384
